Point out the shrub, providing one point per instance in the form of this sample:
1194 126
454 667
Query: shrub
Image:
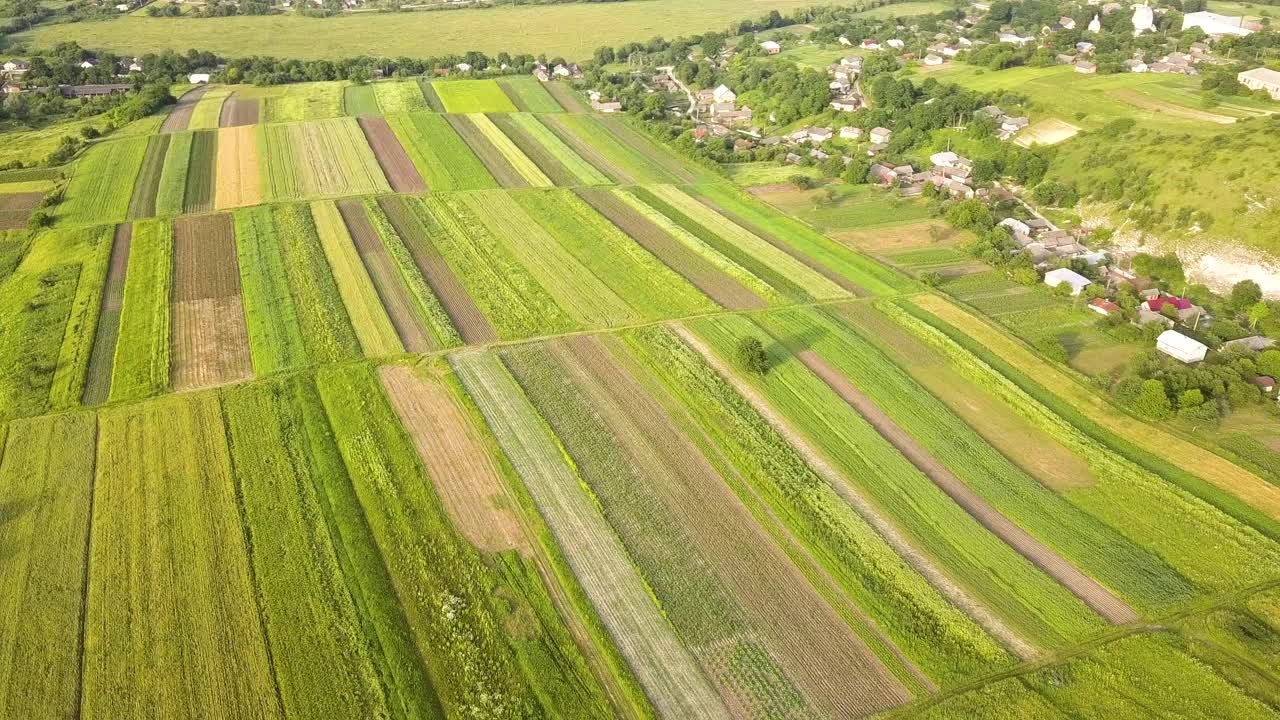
752 355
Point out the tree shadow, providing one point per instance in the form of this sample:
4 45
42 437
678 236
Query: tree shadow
794 342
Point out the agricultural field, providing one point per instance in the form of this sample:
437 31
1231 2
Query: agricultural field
473 96
441 156
318 159
529 95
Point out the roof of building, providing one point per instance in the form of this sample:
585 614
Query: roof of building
1266 75
1178 343
1066 275
1157 304
1264 381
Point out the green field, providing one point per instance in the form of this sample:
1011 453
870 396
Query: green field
473 96
442 158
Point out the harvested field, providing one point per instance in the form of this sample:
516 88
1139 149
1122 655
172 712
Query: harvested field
721 288
529 95
393 294
462 310
98 384
565 97
238 179
1097 597
494 160
453 452
202 180
670 677
368 316
142 204
325 158
440 155
1049 131
16 209
210 337
180 116
239 111
169 545
46 490
395 163
472 96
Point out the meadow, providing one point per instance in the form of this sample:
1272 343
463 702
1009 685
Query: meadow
513 413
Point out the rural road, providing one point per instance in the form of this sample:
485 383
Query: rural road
671 73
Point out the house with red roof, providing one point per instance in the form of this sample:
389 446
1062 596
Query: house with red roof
1152 309
1103 306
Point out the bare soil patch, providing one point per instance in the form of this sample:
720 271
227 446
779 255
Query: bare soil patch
463 312
180 116
457 461
238 111
210 337
1046 132
98 385
1111 608
386 279
15 210
395 163
717 285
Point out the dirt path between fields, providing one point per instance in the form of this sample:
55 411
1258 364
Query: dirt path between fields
891 535
1111 608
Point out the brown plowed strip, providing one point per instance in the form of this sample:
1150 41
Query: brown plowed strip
430 95
238 111
586 151
210 338
396 165
773 240
498 165
472 325
805 636
456 460
918 560
1111 608
724 290
386 279
15 210
101 360
180 117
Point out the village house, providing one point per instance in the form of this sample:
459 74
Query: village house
818 155
1084 47
1180 347
880 136
1265 383
1019 229
875 149
870 44
850 133
1075 280
88 91
1253 343
1215 25
1185 310
820 134
1261 79
896 44
794 159
541 74
882 174
770 47
847 103
1015 39
1064 59
606 107
845 41
1067 23
16 68
1135 66
88 64
1103 306
11 89
933 60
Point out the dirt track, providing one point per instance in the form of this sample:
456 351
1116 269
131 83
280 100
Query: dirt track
98 385
1111 608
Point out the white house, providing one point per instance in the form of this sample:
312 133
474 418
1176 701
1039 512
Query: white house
1261 79
944 159
870 45
463 67
1215 24
850 133
1144 19
1180 347
880 135
197 78
820 134
1017 227
1078 282
723 94
1014 38
846 104
932 59
896 43
770 47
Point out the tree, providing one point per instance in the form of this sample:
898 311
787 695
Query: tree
1190 398
1258 312
1269 363
932 278
1245 294
970 214
752 355
1152 401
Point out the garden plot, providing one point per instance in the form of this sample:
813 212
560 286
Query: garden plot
429 94
360 101
238 111
326 158
173 553
143 347
529 95
173 177
557 160
399 96
588 152
375 330
671 679
46 489
510 167
271 312
146 188
472 96
395 163
208 111
179 118
238 179
387 282
100 187
98 385
210 338
442 158
1049 131
16 209
298 102
720 287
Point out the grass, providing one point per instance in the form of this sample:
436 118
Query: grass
46 486
209 109
625 163
201 173
141 365
560 163
82 320
472 96
360 101
442 158
854 207
368 317
99 189
173 177
527 168
766 173
399 96
146 189
296 103
271 312
529 95
326 158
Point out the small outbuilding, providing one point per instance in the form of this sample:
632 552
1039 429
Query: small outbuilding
1078 282
1266 383
1180 347
770 47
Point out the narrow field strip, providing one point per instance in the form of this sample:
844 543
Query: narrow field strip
320 655
565 97
202 172
392 293
46 490
369 318
238 181
670 677
173 178
571 284
239 111
425 304
173 552
655 154
463 313
541 156
208 110
495 160
724 290
360 101
142 204
76 349
634 163
179 117
399 96
395 163
443 159
276 339
98 385
429 94
324 158
583 171
210 338
98 191
472 96
143 348
596 158
529 95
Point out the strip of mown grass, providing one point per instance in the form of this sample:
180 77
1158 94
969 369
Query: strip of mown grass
141 365
764 221
276 341
202 172
442 157
948 646
640 279
429 94
1039 609
540 155
99 190
368 317
142 204
173 178
321 657
472 96
498 165
360 101
399 96
522 164
208 111
82 320
174 553
46 488
528 94
583 172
